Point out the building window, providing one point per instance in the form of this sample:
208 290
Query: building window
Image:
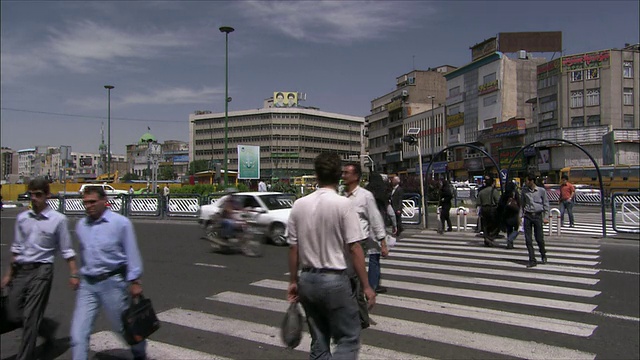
488 124
627 122
627 69
576 75
627 96
454 91
592 73
577 121
577 99
488 78
490 100
593 97
454 110
593 120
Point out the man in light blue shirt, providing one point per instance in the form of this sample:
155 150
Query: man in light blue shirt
39 232
110 272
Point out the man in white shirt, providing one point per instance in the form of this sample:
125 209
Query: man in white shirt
324 236
262 186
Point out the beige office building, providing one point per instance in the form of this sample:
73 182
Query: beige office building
289 137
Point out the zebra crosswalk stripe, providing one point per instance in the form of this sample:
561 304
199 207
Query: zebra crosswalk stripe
108 341
260 333
566 252
494 272
462 338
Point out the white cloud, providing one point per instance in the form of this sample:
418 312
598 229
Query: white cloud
338 22
176 95
85 44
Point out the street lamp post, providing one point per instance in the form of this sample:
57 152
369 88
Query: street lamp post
109 87
413 139
433 127
226 30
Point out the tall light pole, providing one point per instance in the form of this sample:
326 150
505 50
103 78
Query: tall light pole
433 127
226 30
109 87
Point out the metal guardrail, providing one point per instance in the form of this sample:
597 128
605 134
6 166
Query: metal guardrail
464 211
557 222
628 205
187 205
144 205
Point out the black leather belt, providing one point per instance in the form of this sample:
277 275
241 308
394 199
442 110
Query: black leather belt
322 270
29 266
105 276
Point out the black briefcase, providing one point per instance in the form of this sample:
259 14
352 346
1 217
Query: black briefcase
139 320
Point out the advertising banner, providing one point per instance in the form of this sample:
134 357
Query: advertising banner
285 99
608 149
586 61
455 120
248 162
505 158
544 161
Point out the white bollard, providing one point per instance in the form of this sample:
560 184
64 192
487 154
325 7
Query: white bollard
464 212
551 213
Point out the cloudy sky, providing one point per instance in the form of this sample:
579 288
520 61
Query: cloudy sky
166 59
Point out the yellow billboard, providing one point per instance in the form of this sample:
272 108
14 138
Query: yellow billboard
285 99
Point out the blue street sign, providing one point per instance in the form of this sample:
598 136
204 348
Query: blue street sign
503 174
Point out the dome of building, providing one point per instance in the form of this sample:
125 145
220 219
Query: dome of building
146 138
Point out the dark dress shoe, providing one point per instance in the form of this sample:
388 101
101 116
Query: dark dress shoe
532 264
510 246
449 230
544 260
381 290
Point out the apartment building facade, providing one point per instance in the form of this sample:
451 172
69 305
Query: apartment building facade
289 137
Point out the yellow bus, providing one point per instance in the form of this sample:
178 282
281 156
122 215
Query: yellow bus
614 177
308 181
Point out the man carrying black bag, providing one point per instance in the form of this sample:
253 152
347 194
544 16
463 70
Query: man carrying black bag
110 272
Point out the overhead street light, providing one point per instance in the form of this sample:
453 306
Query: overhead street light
226 30
109 87
413 139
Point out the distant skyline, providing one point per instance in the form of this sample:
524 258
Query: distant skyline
166 59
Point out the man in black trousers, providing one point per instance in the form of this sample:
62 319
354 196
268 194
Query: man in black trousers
397 194
39 233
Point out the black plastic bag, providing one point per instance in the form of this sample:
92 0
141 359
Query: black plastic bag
291 329
139 320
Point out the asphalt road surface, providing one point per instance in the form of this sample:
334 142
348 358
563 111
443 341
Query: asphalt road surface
449 298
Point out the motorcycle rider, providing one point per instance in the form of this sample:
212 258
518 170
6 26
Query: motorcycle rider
230 218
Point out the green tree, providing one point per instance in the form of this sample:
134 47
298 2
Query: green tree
130 176
197 166
166 173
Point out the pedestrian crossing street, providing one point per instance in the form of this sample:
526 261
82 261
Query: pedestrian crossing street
591 227
448 297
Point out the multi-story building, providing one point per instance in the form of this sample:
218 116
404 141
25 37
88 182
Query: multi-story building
289 137
174 153
8 163
486 107
583 97
417 92
26 158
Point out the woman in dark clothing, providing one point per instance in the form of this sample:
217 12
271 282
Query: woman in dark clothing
509 212
446 195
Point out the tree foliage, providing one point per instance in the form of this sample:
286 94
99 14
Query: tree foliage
165 172
197 166
130 176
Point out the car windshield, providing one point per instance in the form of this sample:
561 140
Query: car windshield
278 201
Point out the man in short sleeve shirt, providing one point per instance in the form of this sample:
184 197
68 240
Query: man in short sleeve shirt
324 235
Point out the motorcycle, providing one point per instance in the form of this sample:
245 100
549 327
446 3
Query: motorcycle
247 240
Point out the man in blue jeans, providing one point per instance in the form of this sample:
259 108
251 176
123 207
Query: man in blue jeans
324 236
567 196
110 272
535 206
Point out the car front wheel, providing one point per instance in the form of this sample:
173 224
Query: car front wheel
277 235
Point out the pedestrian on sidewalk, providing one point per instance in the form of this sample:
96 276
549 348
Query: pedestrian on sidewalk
488 199
509 209
535 206
567 198
378 189
397 195
110 272
39 233
324 239
446 195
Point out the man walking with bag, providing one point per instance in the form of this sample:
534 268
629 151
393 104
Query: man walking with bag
39 232
110 272
324 236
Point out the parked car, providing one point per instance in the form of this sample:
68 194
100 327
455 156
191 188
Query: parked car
24 197
275 208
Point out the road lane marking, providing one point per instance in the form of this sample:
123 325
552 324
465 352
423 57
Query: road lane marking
469 236
616 316
510 256
465 293
478 341
463 311
487 271
562 252
501 263
261 333
210 265
107 341
518 285
621 272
